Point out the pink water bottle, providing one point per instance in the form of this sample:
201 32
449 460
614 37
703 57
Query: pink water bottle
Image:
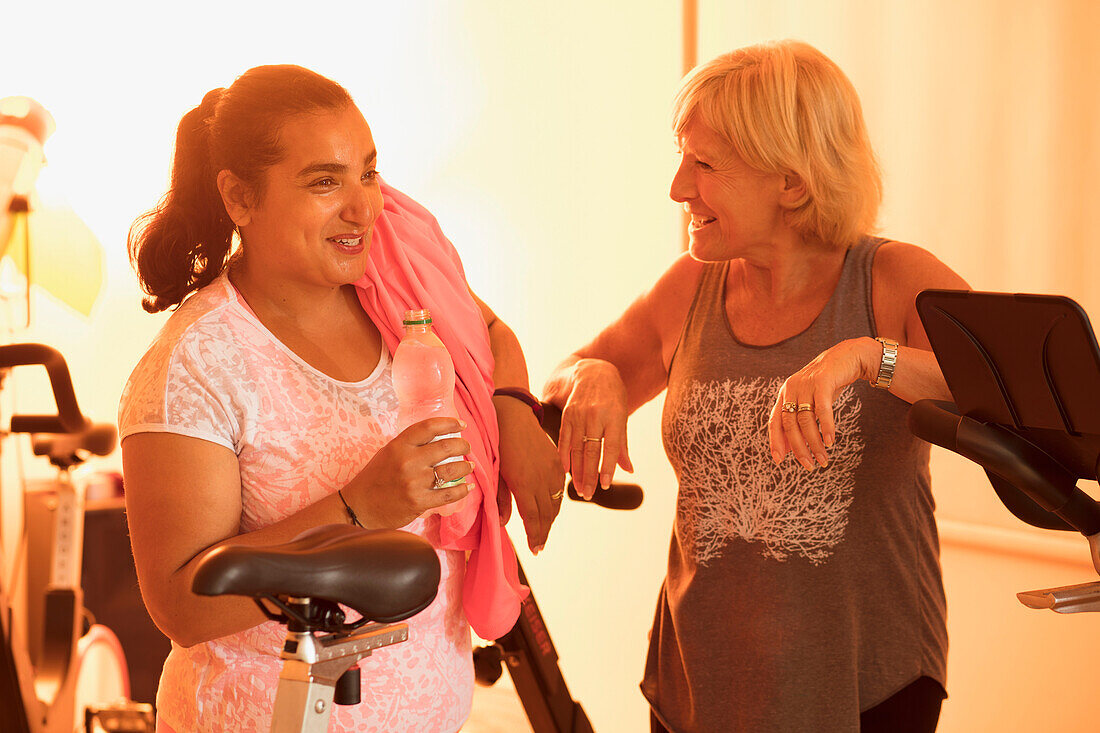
424 380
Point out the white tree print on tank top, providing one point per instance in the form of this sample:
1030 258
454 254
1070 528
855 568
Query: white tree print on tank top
730 487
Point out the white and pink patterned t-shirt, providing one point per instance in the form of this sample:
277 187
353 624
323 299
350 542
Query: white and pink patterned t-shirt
216 373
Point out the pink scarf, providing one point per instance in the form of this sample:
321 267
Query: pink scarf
411 266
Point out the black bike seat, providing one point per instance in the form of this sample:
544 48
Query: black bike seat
386 575
69 449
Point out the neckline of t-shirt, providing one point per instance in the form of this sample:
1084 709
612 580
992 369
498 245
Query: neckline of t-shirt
237 300
829 305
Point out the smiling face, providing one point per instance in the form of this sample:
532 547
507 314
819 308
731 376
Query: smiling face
311 223
735 210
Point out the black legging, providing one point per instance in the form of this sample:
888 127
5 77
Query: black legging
913 709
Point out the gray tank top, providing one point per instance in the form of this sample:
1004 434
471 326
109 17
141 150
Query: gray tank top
793 599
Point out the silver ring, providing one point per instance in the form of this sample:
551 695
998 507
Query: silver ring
439 480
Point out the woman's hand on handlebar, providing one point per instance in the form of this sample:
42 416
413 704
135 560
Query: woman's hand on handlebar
529 470
592 440
397 485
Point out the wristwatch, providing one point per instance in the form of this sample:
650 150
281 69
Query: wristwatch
889 362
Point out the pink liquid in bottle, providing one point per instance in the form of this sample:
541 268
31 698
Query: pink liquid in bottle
424 380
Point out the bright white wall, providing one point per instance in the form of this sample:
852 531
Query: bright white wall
538 134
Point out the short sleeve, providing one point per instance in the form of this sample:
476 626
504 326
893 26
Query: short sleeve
183 385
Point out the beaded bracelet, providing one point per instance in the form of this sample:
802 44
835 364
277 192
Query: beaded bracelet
351 513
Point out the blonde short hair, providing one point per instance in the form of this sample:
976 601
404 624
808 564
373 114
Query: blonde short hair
786 108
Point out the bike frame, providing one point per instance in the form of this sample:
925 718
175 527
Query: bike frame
42 649
313 662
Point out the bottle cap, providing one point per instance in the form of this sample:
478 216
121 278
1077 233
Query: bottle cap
421 317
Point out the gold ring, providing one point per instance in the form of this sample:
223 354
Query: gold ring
805 407
595 440
788 407
558 494
439 480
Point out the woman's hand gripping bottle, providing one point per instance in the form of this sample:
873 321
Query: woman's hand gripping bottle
424 380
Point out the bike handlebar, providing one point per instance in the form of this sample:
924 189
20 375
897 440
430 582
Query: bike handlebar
1009 456
616 496
68 419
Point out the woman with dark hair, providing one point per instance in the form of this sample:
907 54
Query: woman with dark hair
265 405
800 595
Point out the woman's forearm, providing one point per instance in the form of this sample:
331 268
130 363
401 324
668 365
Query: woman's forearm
530 471
188 618
183 499
917 374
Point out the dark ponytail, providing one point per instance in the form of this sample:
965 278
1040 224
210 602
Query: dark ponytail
183 243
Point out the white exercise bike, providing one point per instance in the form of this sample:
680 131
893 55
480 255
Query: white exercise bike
56 675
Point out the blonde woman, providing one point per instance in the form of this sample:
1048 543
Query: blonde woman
803 590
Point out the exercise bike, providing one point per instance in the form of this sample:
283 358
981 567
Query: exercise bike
385 576
55 675
1025 374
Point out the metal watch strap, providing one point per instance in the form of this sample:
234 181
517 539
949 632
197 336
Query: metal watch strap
889 362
